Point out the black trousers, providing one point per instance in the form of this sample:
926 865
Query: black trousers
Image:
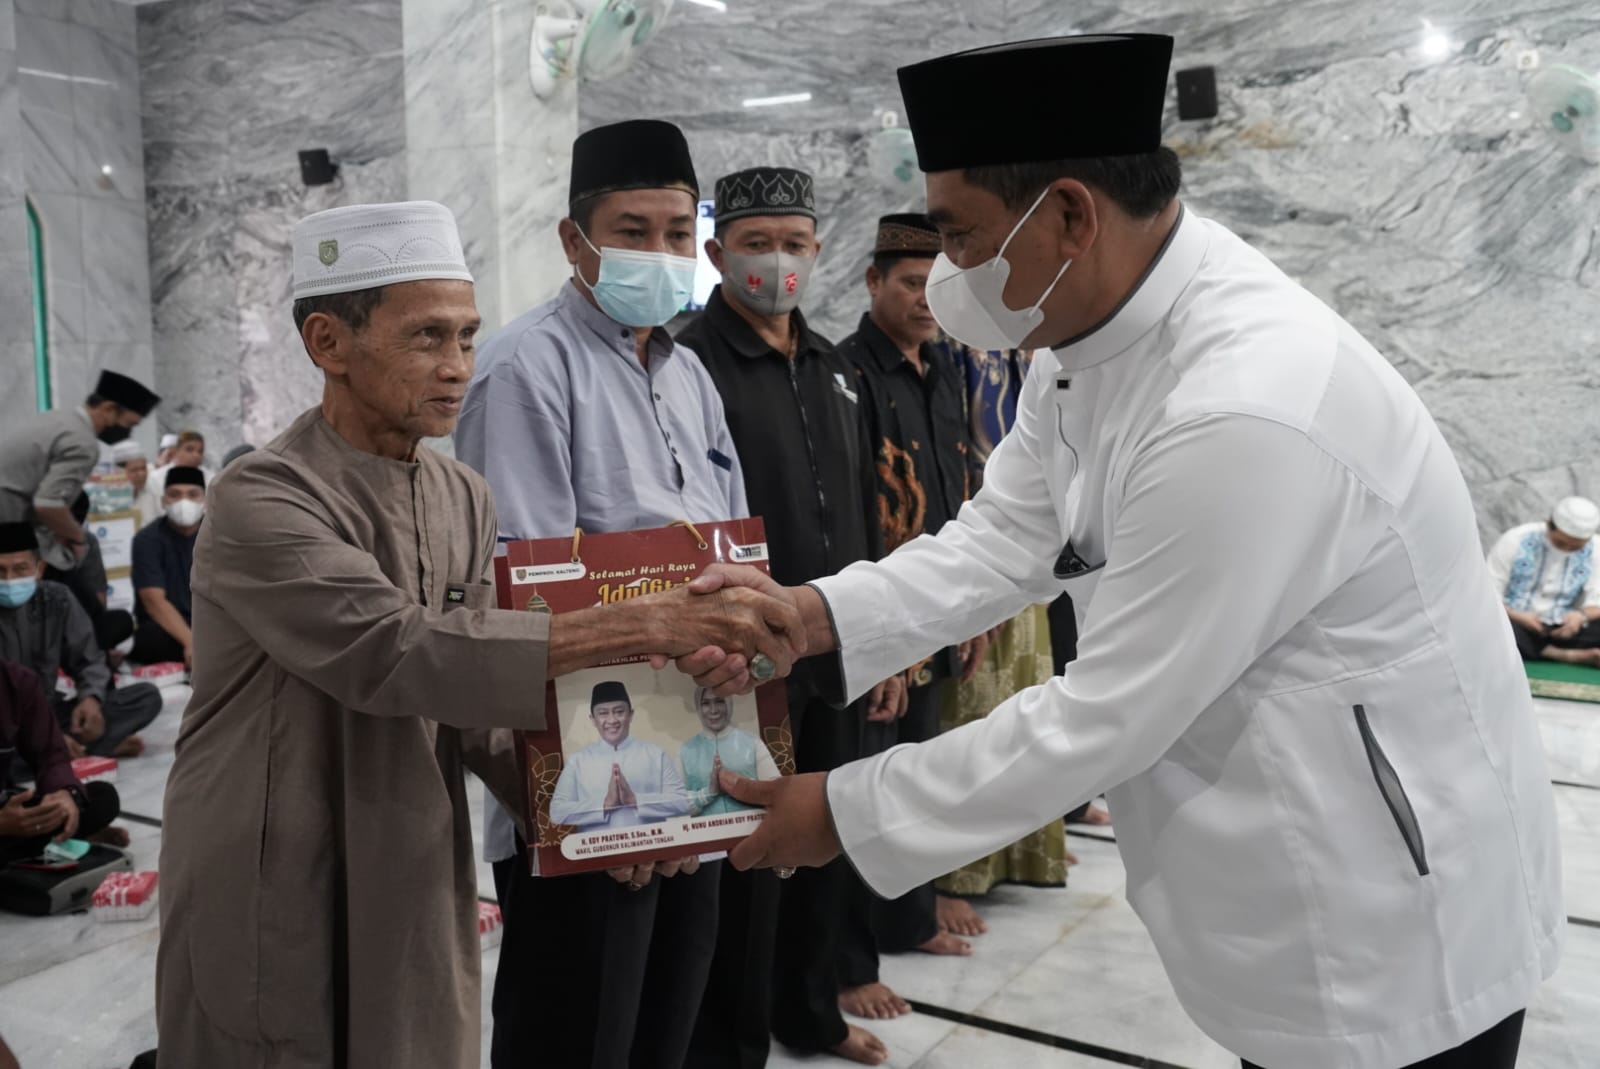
101 806
127 710
111 626
734 1026
594 975
892 926
1494 1049
1532 646
152 645
813 904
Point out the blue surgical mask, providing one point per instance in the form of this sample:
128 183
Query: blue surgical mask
641 289
15 592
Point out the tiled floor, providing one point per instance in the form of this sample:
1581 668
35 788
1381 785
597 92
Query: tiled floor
1072 971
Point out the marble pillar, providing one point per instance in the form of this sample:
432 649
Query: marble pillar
231 91
1377 150
480 142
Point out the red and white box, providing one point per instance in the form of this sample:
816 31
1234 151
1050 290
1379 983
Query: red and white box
91 769
489 925
125 896
162 674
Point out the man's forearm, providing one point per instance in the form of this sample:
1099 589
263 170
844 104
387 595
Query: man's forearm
61 524
168 618
587 637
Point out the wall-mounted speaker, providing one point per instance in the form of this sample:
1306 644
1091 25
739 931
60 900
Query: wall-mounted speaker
316 169
1197 93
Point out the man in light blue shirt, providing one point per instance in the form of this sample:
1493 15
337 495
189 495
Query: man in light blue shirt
584 413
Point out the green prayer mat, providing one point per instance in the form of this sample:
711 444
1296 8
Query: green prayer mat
1572 682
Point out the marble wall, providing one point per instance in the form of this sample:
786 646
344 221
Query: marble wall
1404 187
231 91
478 140
16 334
82 167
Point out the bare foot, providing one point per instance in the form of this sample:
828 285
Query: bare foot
862 1046
946 944
112 836
875 1002
1094 815
957 917
1069 857
132 746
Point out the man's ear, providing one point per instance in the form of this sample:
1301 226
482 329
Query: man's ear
874 280
327 341
1075 205
571 239
714 253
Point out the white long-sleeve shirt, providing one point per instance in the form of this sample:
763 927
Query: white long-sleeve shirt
1294 679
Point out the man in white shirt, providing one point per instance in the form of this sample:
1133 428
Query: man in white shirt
1295 683
129 456
617 781
1548 575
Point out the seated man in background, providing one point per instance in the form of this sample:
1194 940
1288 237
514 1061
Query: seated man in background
617 781
1549 578
129 456
720 746
57 806
44 628
190 452
169 445
163 557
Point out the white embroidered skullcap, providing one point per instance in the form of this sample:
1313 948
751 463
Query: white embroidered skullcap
169 441
127 450
362 246
1576 516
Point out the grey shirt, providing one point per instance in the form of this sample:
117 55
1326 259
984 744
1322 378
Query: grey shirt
50 632
572 431
44 461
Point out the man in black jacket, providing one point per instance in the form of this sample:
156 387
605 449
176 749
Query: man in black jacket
920 445
795 412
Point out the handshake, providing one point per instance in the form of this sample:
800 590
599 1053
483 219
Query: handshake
734 628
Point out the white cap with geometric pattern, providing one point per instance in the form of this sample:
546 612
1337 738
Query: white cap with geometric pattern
363 246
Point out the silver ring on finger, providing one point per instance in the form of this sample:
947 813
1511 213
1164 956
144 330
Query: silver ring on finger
783 873
635 885
762 668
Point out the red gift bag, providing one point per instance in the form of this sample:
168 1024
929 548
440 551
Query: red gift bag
623 771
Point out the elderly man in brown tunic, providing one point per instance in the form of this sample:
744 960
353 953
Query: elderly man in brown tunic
318 902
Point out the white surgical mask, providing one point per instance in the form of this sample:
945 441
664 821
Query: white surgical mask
969 303
186 513
640 289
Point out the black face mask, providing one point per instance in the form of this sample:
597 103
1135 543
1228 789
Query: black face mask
114 434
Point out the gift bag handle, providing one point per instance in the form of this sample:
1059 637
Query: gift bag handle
700 541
